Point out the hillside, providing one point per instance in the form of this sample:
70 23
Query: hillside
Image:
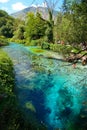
22 14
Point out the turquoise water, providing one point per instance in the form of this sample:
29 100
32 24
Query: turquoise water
49 91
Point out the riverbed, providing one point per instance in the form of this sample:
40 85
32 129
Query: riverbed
50 91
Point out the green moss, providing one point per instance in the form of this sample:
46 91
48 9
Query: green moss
36 50
30 106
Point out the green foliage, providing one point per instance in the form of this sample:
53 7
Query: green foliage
6 24
19 33
17 40
79 18
3 41
37 42
19 29
6 74
62 49
71 25
50 27
3 13
6 30
7 99
64 28
45 45
49 34
34 27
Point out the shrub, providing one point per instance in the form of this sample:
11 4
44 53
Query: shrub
3 41
45 45
17 40
6 74
37 42
62 49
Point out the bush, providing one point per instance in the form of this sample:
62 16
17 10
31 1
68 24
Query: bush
62 49
6 74
37 42
45 45
3 41
17 40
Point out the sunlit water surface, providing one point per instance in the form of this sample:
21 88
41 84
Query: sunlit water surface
49 91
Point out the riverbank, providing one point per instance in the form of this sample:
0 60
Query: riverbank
57 56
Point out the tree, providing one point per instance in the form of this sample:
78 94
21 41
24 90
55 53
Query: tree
7 30
19 30
73 26
49 33
66 5
6 24
50 22
3 13
34 27
63 28
79 18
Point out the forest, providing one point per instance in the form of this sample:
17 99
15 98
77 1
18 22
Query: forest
65 34
68 28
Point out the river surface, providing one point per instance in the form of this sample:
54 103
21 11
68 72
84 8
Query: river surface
49 91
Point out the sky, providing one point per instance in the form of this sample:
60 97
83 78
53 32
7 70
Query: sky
12 6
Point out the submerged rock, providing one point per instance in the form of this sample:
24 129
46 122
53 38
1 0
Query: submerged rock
30 106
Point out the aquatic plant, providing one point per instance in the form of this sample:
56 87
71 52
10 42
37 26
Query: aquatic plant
37 50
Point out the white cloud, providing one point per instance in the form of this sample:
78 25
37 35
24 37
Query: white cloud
3 1
39 5
18 6
33 5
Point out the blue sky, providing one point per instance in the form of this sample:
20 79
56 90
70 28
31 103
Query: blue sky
12 6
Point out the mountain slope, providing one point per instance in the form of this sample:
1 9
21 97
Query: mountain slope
22 14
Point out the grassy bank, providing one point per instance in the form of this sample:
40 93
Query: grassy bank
8 110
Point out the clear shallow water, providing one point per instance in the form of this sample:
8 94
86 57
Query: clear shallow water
50 91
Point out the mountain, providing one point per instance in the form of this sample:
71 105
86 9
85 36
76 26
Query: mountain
43 10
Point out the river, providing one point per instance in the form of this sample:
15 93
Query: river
49 91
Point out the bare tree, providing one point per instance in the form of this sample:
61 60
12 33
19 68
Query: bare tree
51 5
